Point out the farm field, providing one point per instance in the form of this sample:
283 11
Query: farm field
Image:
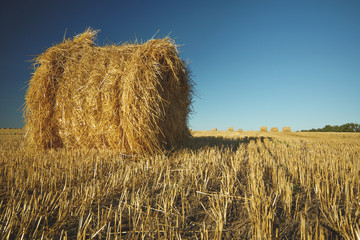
218 185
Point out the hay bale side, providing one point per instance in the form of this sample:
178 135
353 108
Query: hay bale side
134 98
286 129
274 129
230 129
263 129
215 129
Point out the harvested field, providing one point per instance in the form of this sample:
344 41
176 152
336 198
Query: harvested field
219 185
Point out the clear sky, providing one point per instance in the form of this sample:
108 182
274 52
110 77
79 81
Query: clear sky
256 63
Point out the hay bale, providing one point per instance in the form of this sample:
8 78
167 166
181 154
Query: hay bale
215 129
263 129
134 98
230 129
274 129
286 129
239 130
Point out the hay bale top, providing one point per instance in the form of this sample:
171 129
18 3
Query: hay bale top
134 97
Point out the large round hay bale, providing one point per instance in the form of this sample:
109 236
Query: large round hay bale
231 129
274 129
263 129
286 129
214 129
134 98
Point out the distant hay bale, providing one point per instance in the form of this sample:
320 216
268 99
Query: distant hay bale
286 129
230 129
215 129
134 98
263 129
239 130
274 129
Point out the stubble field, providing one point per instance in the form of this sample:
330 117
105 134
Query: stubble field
219 185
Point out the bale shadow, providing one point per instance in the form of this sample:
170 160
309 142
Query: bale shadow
199 143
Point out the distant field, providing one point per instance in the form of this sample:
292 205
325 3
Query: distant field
13 131
218 185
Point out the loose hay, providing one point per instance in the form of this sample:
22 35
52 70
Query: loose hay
274 129
286 129
134 98
263 129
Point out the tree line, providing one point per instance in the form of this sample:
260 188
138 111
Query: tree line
348 127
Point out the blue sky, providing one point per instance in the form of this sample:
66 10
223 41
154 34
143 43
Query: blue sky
255 63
